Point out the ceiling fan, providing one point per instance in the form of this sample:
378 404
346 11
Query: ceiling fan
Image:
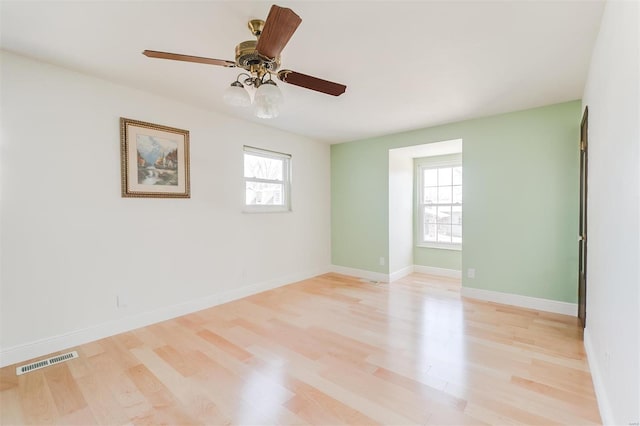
261 58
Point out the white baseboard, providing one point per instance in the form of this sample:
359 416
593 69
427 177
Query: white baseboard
606 414
401 273
522 301
48 345
441 272
474 293
360 273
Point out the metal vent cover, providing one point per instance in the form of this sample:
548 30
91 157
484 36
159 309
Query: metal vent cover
365 280
45 363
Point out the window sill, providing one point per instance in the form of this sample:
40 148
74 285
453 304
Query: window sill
261 209
442 246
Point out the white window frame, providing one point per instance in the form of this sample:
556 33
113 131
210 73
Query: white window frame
434 163
286 181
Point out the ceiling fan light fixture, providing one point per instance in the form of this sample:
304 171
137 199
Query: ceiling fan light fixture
236 95
267 100
260 59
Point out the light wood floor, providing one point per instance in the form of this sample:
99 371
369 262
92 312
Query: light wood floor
329 350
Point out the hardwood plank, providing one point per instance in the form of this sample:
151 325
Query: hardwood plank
113 377
316 407
176 360
360 403
428 393
104 406
329 350
387 394
166 409
195 400
224 345
64 388
92 348
582 406
81 417
38 406
8 379
10 412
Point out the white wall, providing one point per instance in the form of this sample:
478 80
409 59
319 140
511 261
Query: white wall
400 214
401 203
71 244
613 324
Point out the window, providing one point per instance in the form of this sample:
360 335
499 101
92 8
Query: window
267 180
439 204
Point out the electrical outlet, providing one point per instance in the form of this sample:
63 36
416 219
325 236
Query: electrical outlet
121 301
381 261
471 273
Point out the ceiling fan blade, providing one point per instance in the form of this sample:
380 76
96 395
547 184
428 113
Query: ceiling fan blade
280 25
188 58
312 83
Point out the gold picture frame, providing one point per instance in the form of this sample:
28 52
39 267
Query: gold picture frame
154 160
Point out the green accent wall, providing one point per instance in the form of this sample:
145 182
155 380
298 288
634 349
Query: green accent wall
359 205
520 192
438 258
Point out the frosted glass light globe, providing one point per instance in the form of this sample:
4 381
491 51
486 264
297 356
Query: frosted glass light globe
236 95
267 101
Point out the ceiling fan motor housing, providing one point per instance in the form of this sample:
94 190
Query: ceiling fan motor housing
247 57
273 35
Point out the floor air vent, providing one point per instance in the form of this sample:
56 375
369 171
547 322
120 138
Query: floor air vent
46 362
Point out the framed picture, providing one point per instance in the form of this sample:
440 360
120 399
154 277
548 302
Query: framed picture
154 160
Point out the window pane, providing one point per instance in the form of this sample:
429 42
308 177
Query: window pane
444 194
441 210
262 167
430 215
456 233
456 215
259 193
457 175
457 195
431 195
444 214
444 233
430 177
430 233
444 176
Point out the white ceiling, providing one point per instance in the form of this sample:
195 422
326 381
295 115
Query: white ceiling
406 65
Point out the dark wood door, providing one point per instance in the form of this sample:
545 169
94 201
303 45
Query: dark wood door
582 236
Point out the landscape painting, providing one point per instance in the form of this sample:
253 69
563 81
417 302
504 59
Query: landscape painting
154 160
157 161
